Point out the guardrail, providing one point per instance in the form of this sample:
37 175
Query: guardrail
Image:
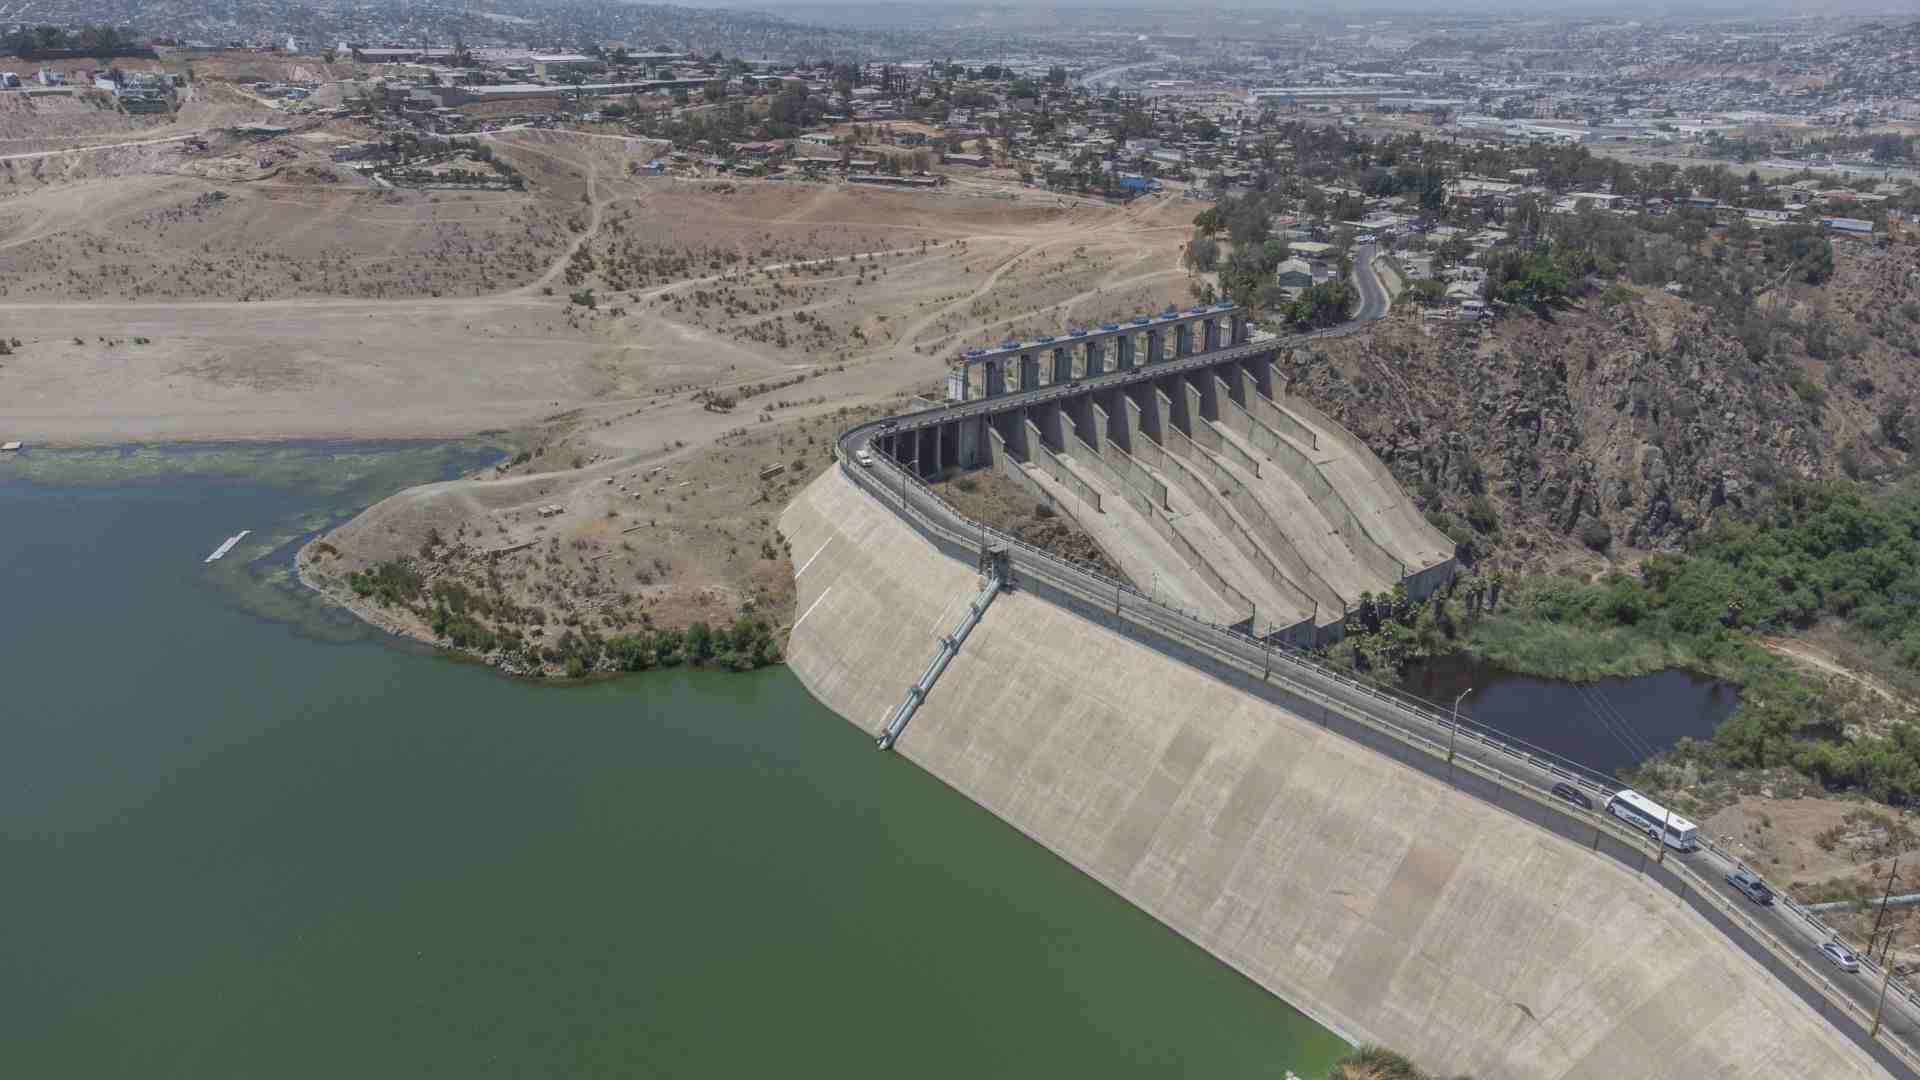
1896 987
1472 747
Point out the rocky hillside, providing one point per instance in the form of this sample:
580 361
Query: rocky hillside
1632 417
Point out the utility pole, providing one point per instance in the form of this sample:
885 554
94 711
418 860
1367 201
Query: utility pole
1660 846
1886 976
1892 872
1454 732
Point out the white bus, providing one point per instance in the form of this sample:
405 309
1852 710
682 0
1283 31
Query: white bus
1646 815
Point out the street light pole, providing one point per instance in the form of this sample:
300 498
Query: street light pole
1660 845
1454 732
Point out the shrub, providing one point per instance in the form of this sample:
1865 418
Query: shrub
700 643
1808 390
1481 514
390 582
1596 534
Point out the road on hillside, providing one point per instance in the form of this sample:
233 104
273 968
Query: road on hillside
1374 300
101 146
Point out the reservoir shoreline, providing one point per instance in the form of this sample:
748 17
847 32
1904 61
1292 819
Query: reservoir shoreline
469 871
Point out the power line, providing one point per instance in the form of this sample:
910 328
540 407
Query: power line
1616 725
1626 724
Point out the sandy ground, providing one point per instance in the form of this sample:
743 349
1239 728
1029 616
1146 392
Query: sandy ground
736 291
1831 849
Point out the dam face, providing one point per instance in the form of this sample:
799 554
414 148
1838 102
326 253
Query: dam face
1385 904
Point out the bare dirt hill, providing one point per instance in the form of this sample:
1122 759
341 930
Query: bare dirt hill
1620 428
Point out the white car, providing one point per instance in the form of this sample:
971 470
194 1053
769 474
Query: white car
1841 956
864 458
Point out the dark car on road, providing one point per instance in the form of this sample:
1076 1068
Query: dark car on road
1572 794
1751 887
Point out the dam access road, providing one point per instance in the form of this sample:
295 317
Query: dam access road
1313 833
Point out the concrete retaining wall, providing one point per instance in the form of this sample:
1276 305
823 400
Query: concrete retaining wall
1089 422
1410 518
1308 476
1378 899
1230 449
1197 427
1136 477
1264 410
1234 598
1148 453
1288 562
1103 426
1111 476
1130 420
1203 478
1240 422
1015 471
1061 471
1163 409
1429 580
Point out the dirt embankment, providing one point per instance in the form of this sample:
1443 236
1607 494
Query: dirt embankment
987 496
541 564
1830 850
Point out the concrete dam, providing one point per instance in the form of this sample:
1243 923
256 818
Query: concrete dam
1143 746
1162 439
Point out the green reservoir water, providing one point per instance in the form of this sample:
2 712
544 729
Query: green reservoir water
241 838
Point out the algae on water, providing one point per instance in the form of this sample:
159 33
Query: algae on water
335 480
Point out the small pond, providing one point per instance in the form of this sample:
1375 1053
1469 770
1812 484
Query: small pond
1606 725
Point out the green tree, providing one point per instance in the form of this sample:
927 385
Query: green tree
699 644
1203 253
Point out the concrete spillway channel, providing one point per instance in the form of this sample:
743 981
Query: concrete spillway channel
1132 532
1383 518
1277 491
949 648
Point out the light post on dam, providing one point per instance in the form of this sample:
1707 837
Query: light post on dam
1454 732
